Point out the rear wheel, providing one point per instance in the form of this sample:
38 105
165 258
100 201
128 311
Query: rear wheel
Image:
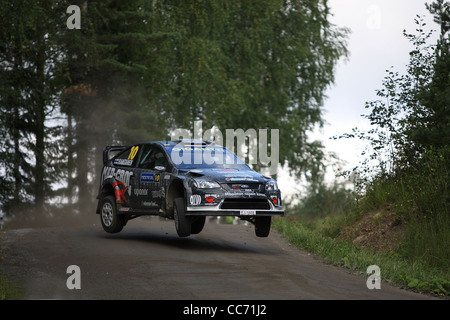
262 226
111 222
182 223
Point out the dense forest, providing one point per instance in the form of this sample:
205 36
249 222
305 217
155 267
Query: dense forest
135 70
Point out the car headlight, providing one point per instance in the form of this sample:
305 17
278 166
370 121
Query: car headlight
271 186
205 184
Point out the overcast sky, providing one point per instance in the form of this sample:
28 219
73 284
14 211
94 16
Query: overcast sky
375 44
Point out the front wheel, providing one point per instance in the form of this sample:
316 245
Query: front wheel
182 223
111 222
262 226
197 224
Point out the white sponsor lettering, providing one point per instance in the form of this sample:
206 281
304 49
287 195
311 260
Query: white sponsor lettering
195 199
119 175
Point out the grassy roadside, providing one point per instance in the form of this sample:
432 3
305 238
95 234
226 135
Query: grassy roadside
8 290
397 220
414 275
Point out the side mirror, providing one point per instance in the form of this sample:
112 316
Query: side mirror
160 168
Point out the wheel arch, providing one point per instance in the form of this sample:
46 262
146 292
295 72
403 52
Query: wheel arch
106 190
175 190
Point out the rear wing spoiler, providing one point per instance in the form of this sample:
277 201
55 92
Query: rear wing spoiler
108 149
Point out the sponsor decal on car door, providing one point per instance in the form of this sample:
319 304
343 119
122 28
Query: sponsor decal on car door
149 192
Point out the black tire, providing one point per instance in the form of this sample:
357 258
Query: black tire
182 223
111 222
262 226
198 224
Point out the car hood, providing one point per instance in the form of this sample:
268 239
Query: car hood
229 175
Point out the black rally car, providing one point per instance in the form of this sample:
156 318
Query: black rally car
184 180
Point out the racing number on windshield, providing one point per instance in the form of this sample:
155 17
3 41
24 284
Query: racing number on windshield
133 152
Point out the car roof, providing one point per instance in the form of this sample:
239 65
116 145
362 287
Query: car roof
186 142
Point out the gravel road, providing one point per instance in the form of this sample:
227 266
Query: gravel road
147 260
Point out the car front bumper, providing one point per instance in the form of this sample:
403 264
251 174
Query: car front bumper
216 210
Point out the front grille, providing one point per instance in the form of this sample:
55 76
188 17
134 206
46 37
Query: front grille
261 204
242 186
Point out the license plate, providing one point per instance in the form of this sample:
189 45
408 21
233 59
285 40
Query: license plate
248 212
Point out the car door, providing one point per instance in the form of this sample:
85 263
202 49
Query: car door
149 191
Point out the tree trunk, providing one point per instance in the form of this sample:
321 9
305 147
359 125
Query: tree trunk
39 170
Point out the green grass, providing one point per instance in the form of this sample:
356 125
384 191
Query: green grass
420 197
413 274
8 290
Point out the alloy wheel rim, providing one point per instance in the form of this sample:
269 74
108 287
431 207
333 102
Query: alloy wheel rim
107 214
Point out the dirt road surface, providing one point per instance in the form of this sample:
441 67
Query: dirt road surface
147 260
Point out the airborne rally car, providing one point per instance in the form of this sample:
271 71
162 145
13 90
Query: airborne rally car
184 180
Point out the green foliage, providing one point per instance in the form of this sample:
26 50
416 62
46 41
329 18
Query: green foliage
406 172
420 198
412 114
138 69
415 124
324 201
407 167
30 80
9 290
252 64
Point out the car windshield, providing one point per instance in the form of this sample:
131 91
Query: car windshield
204 157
